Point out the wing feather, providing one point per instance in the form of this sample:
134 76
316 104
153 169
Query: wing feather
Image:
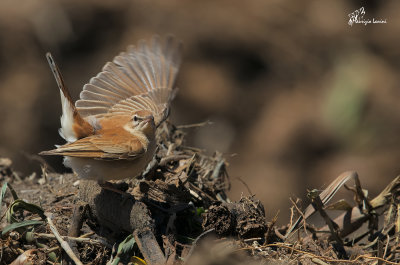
142 78
102 81
92 111
136 75
100 148
100 94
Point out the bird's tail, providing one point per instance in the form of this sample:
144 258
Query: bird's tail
73 126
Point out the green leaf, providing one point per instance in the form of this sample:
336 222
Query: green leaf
19 205
29 236
53 257
2 194
124 248
200 211
14 226
127 245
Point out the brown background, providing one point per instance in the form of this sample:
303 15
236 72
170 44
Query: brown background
295 94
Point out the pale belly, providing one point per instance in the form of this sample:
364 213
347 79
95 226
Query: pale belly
104 170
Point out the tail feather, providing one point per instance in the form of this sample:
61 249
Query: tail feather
73 126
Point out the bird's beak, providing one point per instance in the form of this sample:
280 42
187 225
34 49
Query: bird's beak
148 118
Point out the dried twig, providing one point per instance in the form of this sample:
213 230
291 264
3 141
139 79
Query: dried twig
202 192
386 246
218 167
245 184
350 221
303 218
172 158
200 124
326 195
319 206
63 243
76 239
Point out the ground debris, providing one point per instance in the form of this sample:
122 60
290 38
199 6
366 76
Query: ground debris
245 218
179 213
161 192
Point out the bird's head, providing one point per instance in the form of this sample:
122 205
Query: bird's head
142 121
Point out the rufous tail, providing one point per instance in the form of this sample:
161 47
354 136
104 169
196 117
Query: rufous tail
73 126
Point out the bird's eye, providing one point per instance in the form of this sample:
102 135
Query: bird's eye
135 118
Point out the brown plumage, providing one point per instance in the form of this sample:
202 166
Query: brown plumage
111 129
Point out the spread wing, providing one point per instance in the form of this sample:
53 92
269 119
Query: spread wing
143 77
97 147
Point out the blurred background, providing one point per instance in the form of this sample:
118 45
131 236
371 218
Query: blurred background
296 96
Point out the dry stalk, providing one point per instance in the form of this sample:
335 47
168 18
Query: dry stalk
63 243
302 216
76 239
319 206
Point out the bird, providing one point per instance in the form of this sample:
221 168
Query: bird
111 130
